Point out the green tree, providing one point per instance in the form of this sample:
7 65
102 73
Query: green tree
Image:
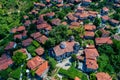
19 58
97 22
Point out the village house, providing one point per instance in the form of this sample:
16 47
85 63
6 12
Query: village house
36 35
104 11
91 55
103 76
114 22
39 51
64 50
105 33
89 27
56 22
103 40
86 2
80 9
44 26
92 14
17 36
89 35
104 18
74 25
20 28
50 15
11 45
27 42
42 39
81 16
71 17
5 62
39 65
91 65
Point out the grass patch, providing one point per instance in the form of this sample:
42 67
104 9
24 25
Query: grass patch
72 72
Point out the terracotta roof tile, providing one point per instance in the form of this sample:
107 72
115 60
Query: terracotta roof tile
105 17
103 76
39 51
5 62
56 22
35 62
89 34
42 39
89 27
105 9
27 42
36 35
103 40
10 46
69 48
42 68
21 28
18 36
91 64
91 53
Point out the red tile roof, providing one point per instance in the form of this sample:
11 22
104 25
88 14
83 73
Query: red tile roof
39 51
91 64
105 9
5 62
44 26
76 78
105 33
69 48
105 17
89 27
103 40
18 36
56 22
89 34
42 68
35 62
21 28
27 42
80 9
42 39
38 64
91 53
10 46
36 35
51 14
103 76
71 17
